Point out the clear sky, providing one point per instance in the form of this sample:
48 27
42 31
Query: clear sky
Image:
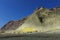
17 9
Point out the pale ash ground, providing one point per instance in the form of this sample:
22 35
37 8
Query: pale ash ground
51 22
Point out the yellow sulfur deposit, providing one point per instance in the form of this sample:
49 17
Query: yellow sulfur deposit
28 29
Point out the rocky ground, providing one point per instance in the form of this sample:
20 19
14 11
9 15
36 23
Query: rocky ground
29 38
41 36
34 37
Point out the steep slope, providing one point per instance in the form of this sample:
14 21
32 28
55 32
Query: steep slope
42 20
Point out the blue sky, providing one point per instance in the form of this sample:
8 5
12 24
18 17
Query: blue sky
17 9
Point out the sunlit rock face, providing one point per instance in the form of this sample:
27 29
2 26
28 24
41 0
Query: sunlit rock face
41 20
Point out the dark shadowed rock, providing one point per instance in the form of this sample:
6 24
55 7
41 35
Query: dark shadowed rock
12 25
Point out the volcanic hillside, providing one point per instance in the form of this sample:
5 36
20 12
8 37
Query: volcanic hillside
41 20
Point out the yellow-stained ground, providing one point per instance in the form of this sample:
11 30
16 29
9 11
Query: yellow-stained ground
33 30
28 29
